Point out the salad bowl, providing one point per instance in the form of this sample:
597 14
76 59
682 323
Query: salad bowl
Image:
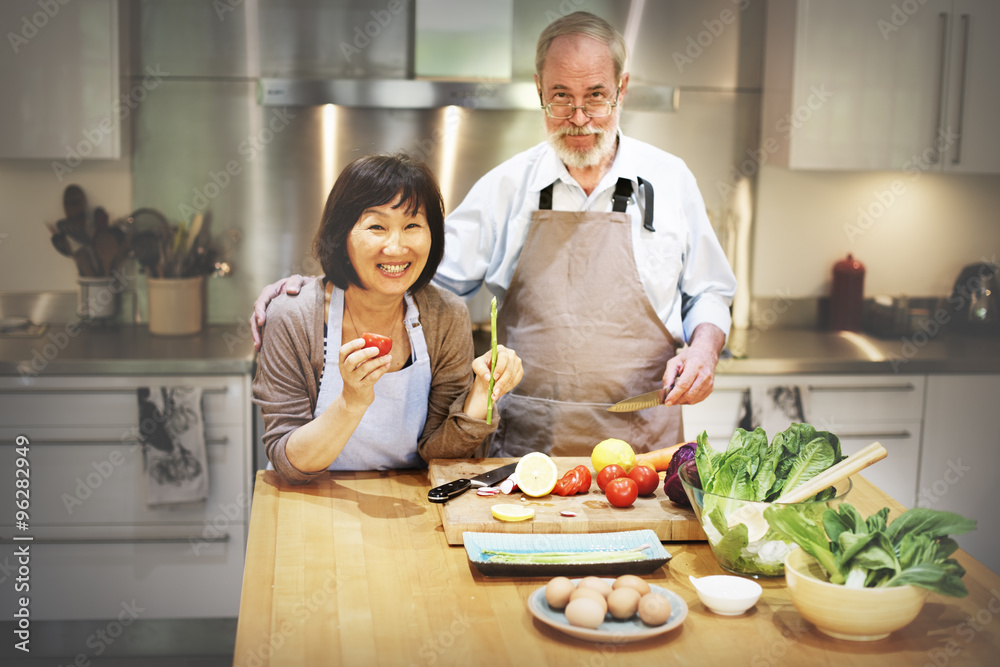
753 550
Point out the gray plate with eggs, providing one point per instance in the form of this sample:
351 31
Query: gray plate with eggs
610 631
653 554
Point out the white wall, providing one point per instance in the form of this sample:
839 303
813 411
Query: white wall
31 196
914 242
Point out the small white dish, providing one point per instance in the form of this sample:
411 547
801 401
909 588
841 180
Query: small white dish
726 595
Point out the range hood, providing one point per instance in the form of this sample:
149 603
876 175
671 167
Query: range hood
456 53
425 94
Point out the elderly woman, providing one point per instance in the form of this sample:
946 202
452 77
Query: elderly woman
329 400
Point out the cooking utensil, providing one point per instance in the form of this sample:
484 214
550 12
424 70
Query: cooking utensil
74 203
648 400
753 514
642 401
107 249
146 246
445 492
61 243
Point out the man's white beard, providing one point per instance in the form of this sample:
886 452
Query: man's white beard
581 159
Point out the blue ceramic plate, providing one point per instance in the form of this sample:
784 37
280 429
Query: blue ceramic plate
654 554
611 631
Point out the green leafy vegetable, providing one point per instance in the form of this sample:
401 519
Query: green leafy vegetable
914 549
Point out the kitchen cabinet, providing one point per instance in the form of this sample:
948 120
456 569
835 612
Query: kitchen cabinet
96 543
882 84
61 82
961 457
859 409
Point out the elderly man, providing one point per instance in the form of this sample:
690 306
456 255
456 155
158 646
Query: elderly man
600 282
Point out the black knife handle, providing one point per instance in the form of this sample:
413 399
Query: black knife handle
445 492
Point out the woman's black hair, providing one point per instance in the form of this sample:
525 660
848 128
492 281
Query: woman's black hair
370 181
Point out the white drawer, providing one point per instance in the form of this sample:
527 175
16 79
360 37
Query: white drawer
897 474
92 476
97 573
850 399
111 400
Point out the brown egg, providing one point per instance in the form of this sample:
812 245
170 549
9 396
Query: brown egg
585 612
599 585
557 592
632 581
584 592
654 609
623 602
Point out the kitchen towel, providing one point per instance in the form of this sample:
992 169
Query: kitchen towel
772 408
172 431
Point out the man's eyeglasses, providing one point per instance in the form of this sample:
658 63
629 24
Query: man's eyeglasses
592 109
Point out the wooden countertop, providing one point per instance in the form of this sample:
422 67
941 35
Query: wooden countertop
354 569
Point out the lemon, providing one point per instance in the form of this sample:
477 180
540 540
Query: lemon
508 512
536 474
611 451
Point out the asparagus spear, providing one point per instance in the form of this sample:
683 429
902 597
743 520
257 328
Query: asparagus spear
497 556
493 358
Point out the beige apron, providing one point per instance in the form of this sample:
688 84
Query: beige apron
577 315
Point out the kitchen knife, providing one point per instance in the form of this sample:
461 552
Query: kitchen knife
445 492
648 400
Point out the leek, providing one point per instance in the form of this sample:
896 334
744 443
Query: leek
551 557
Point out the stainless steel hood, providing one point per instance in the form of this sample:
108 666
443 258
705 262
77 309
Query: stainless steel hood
421 94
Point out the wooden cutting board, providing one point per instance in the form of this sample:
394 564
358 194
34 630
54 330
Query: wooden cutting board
594 514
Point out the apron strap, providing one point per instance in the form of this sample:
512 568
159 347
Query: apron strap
545 198
623 190
647 216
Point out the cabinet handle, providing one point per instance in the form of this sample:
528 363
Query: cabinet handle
877 435
219 440
91 390
909 386
734 390
961 89
935 153
153 539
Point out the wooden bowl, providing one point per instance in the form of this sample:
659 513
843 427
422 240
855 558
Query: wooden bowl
856 614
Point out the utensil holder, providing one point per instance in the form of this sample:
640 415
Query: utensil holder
97 298
176 305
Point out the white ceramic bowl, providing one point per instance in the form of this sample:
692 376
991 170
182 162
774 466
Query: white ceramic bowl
726 595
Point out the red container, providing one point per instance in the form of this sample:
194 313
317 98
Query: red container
847 297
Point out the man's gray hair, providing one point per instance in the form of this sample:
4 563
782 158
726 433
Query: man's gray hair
582 23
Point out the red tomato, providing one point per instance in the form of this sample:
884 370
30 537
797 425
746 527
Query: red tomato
586 478
569 484
562 487
610 472
383 343
645 478
622 492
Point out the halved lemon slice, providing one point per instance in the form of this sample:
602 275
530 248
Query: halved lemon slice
508 512
536 474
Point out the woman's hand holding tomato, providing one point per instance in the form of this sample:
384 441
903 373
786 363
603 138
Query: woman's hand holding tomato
361 366
383 343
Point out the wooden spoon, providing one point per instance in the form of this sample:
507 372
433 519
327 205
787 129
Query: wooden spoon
753 514
106 248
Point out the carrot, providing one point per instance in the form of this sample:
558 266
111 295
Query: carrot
658 459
